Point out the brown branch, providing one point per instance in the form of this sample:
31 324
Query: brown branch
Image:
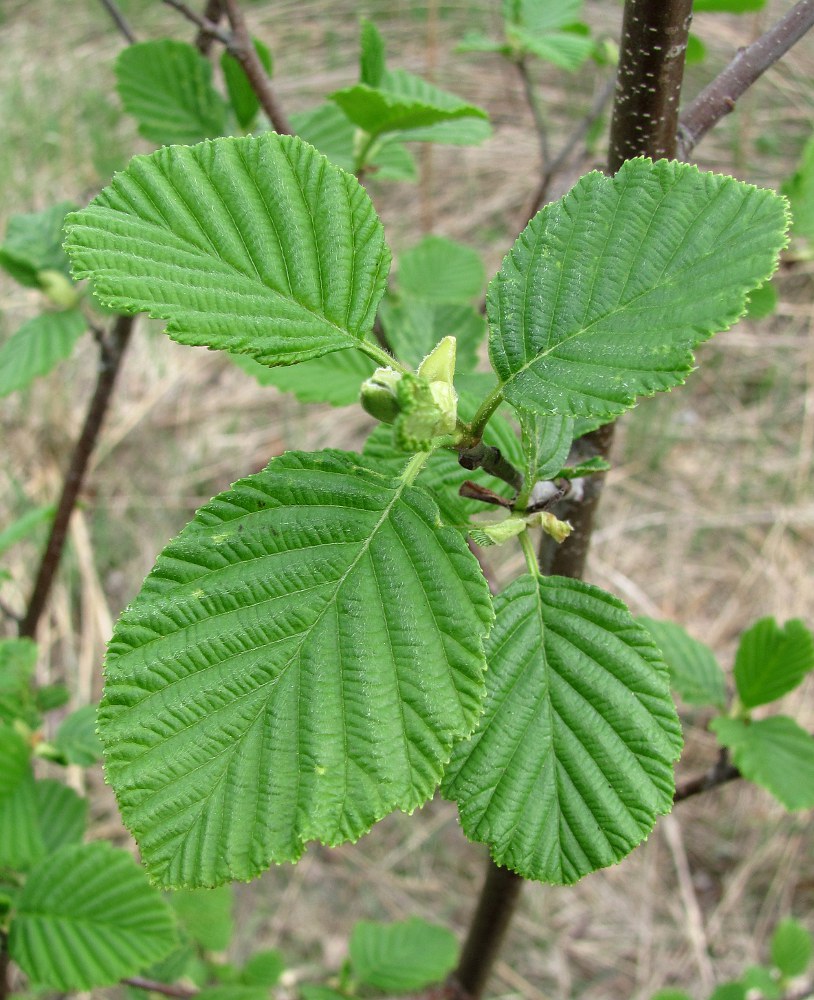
577 136
204 25
167 989
119 20
484 456
213 12
110 359
722 771
242 48
5 967
718 98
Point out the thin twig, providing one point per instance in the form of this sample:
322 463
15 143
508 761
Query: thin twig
119 20
203 24
720 773
167 989
110 359
242 48
536 108
576 137
718 98
213 12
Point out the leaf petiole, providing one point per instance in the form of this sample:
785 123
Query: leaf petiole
414 466
528 551
485 412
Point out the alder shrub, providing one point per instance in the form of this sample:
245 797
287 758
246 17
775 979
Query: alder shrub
319 646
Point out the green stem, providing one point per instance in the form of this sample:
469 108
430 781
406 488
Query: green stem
528 551
414 466
381 357
360 163
485 412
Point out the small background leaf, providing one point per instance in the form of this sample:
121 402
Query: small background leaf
799 189
61 814
440 270
76 737
38 347
33 243
242 97
792 947
413 328
694 672
772 660
206 915
402 957
775 753
167 87
96 902
335 378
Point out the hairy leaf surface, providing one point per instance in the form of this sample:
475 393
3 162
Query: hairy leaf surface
298 664
87 917
571 762
167 87
607 291
256 245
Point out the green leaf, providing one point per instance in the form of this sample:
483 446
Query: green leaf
206 915
460 132
572 761
330 131
372 58
669 994
771 661
61 814
20 840
167 87
234 991
474 41
564 49
283 260
696 50
762 302
694 672
792 947
541 16
413 328
33 244
18 658
23 526
272 657
88 917
402 957
441 270
758 977
546 443
606 292
729 991
335 378
401 101
774 753
51 696
242 97
38 347
264 968
728 6
799 189
314 991
76 737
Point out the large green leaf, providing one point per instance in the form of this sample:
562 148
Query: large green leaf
413 328
694 672
256 245
441 270
775 753
167 87
606 292
771 661
298 664
401 101
573 758
242 97
38 347
402 957
87 917
33 243
335 378
20 840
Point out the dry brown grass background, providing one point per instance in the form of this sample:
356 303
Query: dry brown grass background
708 517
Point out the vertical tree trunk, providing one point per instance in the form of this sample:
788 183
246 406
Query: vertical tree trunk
644 123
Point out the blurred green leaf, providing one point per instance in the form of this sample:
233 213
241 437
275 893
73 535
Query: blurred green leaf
791 948
76 737
33 243
762 301
402 957
696 50
694 672
669 994
729 991
242 97
440 270
413 328
774 753
758 977
51 696
372 58
167 87
799 189
264 968
728 6
38 347
23 526
20 840
61 814
18 658
772 660
565 49
206 915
